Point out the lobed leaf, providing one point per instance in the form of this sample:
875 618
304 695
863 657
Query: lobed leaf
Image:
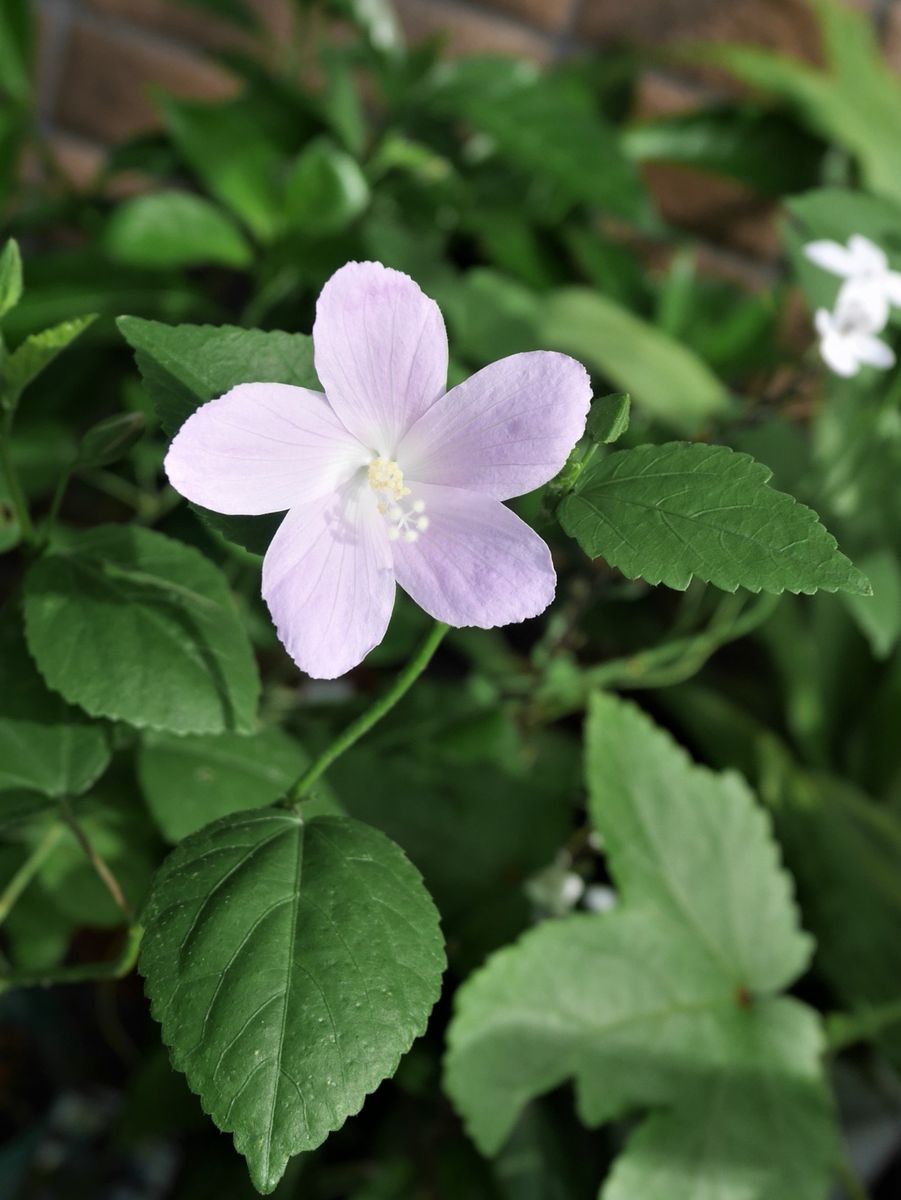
666 1002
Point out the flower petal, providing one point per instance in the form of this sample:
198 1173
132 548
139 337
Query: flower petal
868 257
476 564
838 356
381 352
261 448
329 582
870 350
892 282
831 256
504 431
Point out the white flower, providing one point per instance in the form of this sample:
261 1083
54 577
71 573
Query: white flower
848 335
863 264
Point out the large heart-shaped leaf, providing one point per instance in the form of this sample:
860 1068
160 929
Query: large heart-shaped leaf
290 964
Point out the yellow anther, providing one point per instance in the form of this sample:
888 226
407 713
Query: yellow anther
386 477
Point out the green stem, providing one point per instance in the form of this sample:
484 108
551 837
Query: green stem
29 868
53 511
16 495
373 714
117 968
844 1029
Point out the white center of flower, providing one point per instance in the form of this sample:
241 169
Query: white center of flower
405 520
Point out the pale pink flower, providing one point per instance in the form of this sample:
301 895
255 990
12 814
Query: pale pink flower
386 477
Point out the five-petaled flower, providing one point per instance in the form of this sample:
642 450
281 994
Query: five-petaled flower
386 476
863 265
848 335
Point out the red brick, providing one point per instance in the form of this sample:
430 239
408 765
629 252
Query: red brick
107 75
786 25
719 209
659 95
174 18
469 31
552 15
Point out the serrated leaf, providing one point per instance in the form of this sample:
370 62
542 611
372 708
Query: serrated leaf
668 1001
188 782
678 511
31 357
291 965
131 625
46 745
174 229
664 377
184 366
10 276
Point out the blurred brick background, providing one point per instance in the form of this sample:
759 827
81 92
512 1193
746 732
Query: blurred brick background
100 60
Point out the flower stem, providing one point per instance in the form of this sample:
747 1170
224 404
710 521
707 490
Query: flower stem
53 512
373 714
29 868
117 968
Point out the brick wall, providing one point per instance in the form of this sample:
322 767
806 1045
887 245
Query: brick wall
100 59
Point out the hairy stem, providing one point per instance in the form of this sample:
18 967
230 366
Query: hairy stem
29 868
105 875
373 714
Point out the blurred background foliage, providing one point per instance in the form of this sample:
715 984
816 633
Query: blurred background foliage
517 197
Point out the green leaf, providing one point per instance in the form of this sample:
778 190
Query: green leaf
134 626
879 616
608 419
761 148
174 229
10 276
669 381
549 125
189 782
110 440
855 102
45 745
17 36
38 351
232 156
325 190
678 511
670 1001
184 366
123 839
291 965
